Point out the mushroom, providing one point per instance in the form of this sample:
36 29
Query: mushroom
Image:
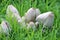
31 25
37 11
31 14
46 19
13 12
23 22
5 27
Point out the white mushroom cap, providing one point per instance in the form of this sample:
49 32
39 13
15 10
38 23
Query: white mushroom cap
31 25
37 12
46 19
13 12
31 14
12 9
5 27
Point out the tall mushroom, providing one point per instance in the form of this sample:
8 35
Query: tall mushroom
13 12
5 27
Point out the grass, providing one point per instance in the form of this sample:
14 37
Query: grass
19 33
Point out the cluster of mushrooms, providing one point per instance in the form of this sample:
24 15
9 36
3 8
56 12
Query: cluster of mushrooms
32 19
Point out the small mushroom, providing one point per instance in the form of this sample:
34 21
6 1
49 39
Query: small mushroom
46 19
5 28
23 22
13 12
23 18
31 25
